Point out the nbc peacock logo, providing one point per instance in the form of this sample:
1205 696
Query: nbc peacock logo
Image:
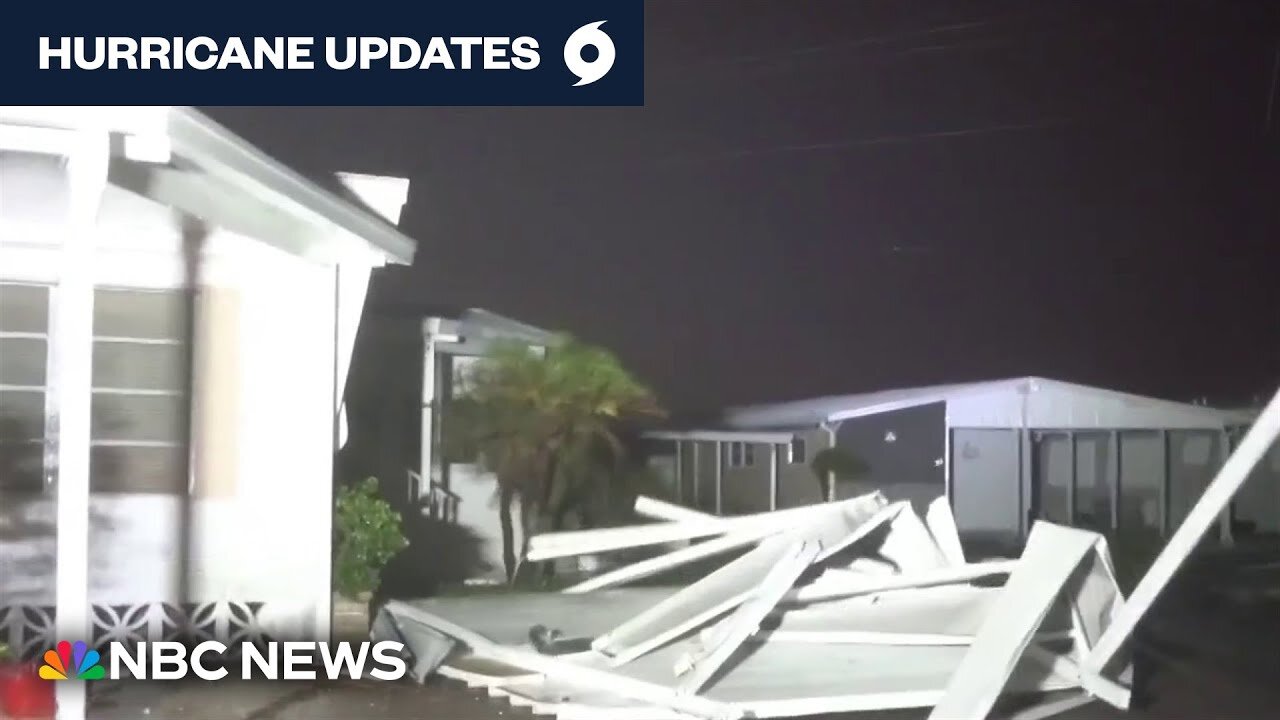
72 662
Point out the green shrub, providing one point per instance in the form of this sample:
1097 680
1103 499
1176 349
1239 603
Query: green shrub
5 655
368 535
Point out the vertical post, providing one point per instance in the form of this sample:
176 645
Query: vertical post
695 479
1166 479
430 378
444 396
773 476
1025 508
719 477
351 286
1072 483
1224 518
1113 482
73 377
194 234
679 472
430 329
946 462
831 477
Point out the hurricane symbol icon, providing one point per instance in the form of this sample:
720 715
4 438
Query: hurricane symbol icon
589 71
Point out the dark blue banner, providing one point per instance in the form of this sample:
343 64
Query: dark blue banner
466 52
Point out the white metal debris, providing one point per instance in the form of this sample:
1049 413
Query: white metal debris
839 607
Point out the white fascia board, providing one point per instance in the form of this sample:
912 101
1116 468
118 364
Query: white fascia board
47 129
885 407
747 436
221 153
128 119
214 201
185 132
33 139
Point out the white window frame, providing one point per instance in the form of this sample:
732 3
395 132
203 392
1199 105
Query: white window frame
800 443
189 445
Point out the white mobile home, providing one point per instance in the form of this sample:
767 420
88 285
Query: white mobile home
1005 452
177 313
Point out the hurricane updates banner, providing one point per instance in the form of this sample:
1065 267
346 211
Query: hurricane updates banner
428 52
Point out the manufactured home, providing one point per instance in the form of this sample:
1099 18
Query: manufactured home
1005 452
177 315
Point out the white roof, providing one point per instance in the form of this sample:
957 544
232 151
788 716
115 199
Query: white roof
1013 402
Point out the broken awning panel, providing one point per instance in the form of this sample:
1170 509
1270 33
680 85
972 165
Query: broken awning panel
839 607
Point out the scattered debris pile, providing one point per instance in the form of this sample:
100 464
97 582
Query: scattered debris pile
846 606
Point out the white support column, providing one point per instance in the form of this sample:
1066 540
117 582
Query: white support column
679 477
427 440
1113 480
831 442
352 287
1165 479
1026 478
946 461
1073 481
72 334
773 476
719 478
1224 518
697 485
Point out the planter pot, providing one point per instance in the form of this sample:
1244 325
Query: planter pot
351 616
23 694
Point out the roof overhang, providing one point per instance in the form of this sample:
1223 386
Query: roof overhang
476 331
179 157
747 436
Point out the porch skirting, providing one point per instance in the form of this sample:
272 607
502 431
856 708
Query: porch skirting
30 630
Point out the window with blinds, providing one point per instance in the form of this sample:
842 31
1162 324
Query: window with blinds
141 380
24 351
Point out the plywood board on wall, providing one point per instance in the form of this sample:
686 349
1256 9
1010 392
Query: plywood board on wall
218 386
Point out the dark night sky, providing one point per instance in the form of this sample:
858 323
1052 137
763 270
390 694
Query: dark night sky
844 195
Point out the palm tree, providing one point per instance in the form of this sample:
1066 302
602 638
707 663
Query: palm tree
546 425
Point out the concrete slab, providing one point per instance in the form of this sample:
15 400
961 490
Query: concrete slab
195 700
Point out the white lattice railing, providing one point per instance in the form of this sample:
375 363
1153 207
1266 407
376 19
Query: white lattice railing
29 630
438 503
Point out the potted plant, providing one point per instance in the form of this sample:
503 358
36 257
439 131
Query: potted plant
368 535
22 693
